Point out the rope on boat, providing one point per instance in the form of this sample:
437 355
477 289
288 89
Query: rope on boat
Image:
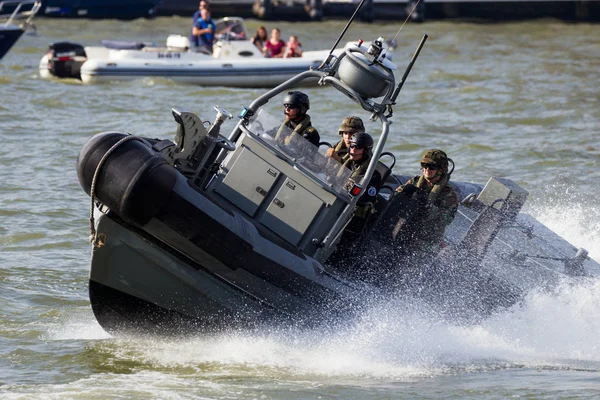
93 234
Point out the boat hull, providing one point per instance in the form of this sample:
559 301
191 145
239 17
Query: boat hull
223 74
140 283
176 294
8 37
244 73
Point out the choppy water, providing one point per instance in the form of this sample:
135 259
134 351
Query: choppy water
516 100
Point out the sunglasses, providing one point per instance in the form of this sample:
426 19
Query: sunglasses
353 146
289 106
430 167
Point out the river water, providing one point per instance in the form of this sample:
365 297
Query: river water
516 100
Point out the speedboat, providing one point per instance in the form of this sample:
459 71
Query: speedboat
235 61
205 232
10 11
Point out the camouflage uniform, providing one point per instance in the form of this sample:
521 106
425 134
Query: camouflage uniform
439 209
359 169
303 128
341 149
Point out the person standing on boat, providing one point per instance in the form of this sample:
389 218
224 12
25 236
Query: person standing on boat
295 106
204 31
350 126
261 37
203 4
439 201
275 47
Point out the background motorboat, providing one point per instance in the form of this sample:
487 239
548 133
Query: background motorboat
10 12
235 61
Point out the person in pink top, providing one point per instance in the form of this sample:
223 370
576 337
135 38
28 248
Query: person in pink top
275 47
293 47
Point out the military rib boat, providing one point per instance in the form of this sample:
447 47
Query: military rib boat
204 232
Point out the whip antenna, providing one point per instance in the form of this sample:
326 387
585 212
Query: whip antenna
406 20
410 65
328 59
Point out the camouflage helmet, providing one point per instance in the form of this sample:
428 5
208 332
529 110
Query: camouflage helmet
297 99
436 157
352 124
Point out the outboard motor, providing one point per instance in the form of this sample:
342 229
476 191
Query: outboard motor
65 59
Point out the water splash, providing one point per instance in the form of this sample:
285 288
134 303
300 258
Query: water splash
399 340
570 213
76 326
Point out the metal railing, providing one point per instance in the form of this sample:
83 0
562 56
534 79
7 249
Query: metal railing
21 10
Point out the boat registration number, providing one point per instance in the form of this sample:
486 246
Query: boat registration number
168 55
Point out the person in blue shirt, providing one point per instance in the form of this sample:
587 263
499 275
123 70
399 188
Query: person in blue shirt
203 4
204 32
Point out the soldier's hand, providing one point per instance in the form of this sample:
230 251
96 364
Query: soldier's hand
331 153
409 189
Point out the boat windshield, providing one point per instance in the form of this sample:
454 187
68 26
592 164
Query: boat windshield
282 139
230 29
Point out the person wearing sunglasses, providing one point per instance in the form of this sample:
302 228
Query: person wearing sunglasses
357 159
295 106
438 200
350 126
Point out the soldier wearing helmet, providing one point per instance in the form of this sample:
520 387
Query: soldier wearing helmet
357 159
295 106
350 126
440 201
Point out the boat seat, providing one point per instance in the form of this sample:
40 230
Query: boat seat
385 171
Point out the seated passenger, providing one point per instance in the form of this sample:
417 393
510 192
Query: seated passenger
261 37
358 158
295 106
274 47
439 199
293 48
352 238
350 126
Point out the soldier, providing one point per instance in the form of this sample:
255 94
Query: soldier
357 159
350 126
295 106
439 200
